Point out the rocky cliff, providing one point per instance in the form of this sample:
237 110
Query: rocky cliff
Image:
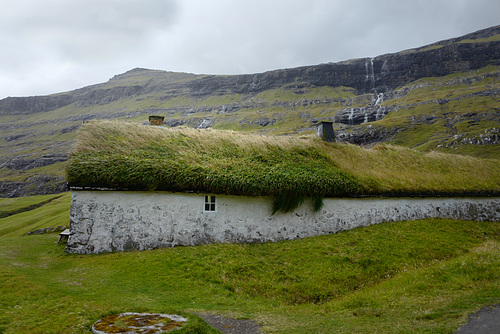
440 96
366 75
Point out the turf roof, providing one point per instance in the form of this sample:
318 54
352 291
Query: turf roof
124 155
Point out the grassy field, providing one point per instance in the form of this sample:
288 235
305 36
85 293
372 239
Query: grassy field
21 215
11 206
421 276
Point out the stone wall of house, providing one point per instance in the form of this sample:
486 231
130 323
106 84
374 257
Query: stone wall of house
105 221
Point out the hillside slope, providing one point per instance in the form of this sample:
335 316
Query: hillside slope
422 276
442 96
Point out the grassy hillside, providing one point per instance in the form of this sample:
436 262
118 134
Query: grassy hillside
458 113
20 215
133 156
408 277
11 206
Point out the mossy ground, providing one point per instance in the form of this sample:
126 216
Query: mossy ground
146 323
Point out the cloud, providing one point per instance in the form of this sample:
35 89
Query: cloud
229 37
86 29
57 45
55 41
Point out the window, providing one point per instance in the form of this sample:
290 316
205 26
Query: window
209 203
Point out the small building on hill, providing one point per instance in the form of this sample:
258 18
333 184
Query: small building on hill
138 188
156 120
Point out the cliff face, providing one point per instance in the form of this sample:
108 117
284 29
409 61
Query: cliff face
366 75
369 99
34 104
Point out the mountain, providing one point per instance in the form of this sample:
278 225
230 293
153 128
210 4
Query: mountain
442 96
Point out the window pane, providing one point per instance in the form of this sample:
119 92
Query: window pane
209 203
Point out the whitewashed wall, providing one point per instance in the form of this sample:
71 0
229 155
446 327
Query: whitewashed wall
105 221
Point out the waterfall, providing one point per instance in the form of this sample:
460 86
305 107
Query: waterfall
380 98
350 116
370 73
380 113
205 123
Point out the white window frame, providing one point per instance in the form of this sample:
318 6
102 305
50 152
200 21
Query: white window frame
210 203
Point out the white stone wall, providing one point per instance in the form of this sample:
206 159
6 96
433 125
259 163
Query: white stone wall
105 221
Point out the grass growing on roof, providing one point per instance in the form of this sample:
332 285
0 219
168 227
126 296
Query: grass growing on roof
124 155
136 157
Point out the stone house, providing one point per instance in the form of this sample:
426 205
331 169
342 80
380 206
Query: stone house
106 221
104 218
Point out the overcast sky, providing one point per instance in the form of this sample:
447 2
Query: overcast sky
51 46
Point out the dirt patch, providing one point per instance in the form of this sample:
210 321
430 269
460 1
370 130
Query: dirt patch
230 325
484 321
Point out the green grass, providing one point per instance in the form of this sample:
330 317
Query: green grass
494 38
291 93
421 276
450 86
54 170
36 212
12 206
395 169
432 111
432 47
